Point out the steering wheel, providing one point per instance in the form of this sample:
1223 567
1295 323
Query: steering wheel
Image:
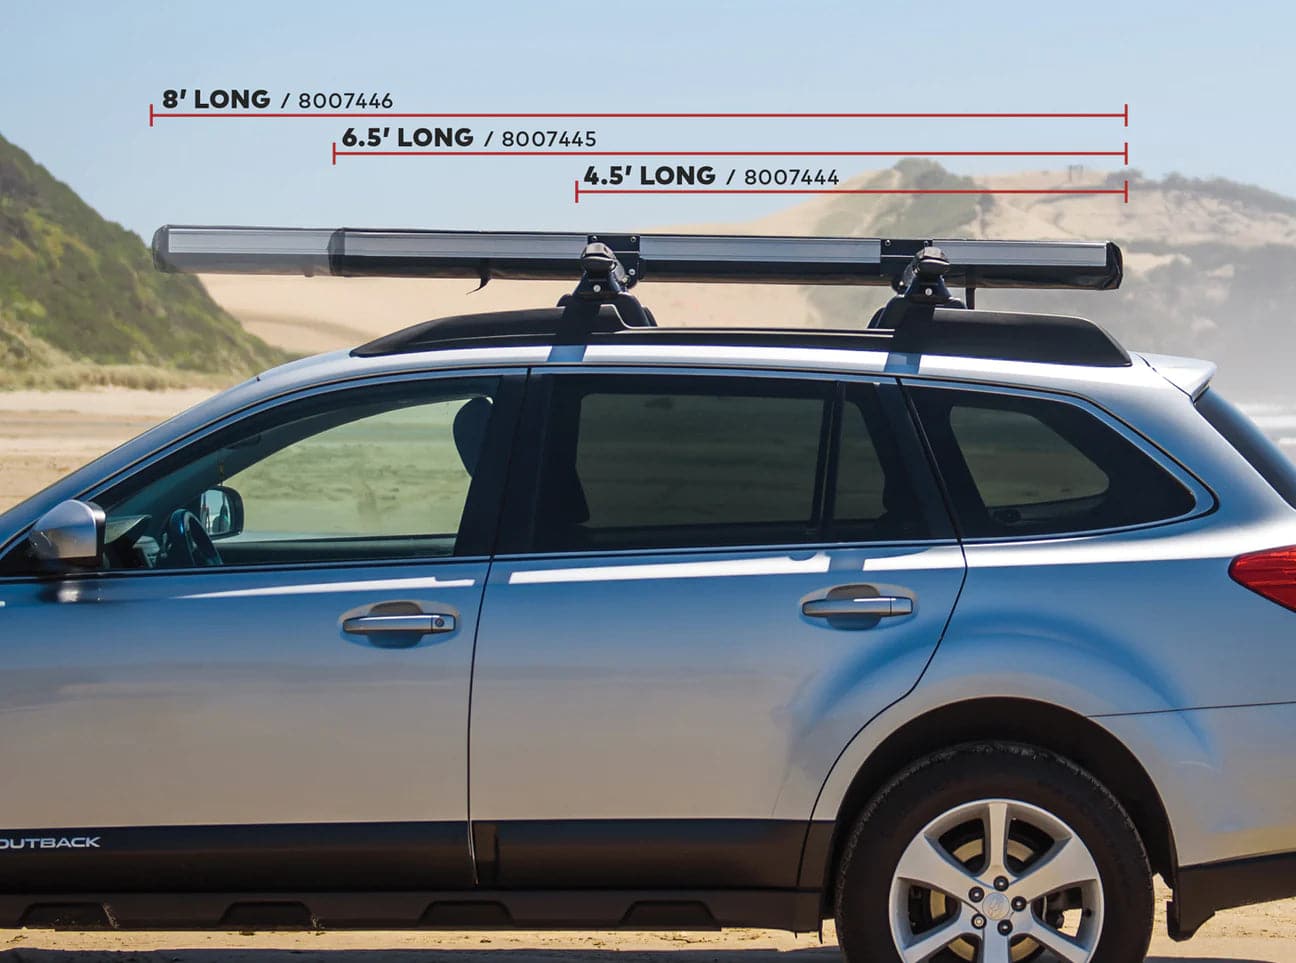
188 543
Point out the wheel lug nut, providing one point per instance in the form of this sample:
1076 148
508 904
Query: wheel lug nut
976 894
1019 903
1001 883
978 922
1005 927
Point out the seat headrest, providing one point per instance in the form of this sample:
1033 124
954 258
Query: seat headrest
470 425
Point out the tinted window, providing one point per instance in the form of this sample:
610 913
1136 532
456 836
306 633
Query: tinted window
1251 443
883 488
373 473
1029 466
671 462
1016 460
861 481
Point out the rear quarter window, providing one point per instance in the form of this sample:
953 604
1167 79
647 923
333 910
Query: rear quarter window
1024 466
1251 443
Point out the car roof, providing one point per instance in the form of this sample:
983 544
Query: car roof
341 366
1192 376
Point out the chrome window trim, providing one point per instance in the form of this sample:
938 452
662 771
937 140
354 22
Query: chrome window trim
764 549
1206 501
711 370
109 574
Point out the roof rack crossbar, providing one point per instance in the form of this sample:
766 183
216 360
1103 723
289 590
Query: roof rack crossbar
715 258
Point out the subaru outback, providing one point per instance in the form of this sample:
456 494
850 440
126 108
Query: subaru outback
957 625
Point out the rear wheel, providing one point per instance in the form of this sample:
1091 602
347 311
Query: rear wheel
994 853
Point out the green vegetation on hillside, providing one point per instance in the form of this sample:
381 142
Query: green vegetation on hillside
79 294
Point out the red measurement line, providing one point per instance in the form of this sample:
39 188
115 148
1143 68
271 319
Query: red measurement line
1118 115
1116 191
1124 152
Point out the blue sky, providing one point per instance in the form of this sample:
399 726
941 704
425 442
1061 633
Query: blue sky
1207 87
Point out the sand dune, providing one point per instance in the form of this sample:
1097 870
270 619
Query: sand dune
309 315
320 314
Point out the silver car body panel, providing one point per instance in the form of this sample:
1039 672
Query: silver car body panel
605 684
233 698
1224 775
687 685
1189 375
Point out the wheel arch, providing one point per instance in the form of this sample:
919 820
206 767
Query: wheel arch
1039 724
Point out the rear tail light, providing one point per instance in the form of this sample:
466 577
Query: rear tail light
1271 573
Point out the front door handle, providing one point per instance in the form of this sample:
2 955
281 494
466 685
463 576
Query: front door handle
877 606
431 624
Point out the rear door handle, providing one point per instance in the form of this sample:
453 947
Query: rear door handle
878 606
431 624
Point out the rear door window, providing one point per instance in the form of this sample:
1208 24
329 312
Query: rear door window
883 490
1016 465
665 461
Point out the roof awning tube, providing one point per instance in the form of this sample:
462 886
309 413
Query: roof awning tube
701 258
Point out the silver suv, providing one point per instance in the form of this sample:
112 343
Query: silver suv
958 627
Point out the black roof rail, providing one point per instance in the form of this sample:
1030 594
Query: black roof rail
957 332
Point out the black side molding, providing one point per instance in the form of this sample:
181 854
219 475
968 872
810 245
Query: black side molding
594 874
1203 889
266 858
659 854
688 909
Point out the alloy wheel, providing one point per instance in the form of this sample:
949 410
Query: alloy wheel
996 881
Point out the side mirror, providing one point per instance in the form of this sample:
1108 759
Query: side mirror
220 509
71 533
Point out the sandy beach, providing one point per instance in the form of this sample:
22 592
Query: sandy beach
46 434
1265 934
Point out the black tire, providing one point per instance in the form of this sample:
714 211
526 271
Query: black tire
955 777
